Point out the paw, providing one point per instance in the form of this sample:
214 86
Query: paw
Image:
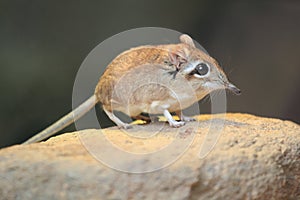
176 124
188 119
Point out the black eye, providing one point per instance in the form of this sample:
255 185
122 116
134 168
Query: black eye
202 69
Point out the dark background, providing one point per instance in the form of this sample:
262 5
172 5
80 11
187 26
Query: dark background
43 43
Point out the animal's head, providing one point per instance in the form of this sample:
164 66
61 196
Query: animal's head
201 70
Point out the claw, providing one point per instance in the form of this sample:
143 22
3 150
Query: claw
187 119
184 118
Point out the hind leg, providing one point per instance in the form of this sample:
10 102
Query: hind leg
116 120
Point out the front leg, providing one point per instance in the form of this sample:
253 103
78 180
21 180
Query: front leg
172 122
183 117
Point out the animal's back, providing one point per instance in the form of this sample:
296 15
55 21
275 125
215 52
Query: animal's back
130 60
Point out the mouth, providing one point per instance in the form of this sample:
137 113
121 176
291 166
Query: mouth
233 89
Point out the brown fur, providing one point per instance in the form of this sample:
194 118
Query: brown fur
135 59
129 59
154 79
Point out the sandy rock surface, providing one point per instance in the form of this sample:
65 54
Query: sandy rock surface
239 157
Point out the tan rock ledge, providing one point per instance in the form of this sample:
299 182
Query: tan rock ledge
254 158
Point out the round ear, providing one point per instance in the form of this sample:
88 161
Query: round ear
178 57
184 38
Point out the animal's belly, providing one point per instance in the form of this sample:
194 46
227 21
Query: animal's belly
154 106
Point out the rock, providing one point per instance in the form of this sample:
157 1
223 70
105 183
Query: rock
254 158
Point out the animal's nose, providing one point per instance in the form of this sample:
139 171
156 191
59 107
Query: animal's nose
233 89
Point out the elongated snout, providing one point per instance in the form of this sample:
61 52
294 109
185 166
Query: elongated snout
233 89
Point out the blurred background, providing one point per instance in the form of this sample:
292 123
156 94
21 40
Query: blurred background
43 43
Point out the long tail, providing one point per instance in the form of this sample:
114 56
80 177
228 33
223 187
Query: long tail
64 121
